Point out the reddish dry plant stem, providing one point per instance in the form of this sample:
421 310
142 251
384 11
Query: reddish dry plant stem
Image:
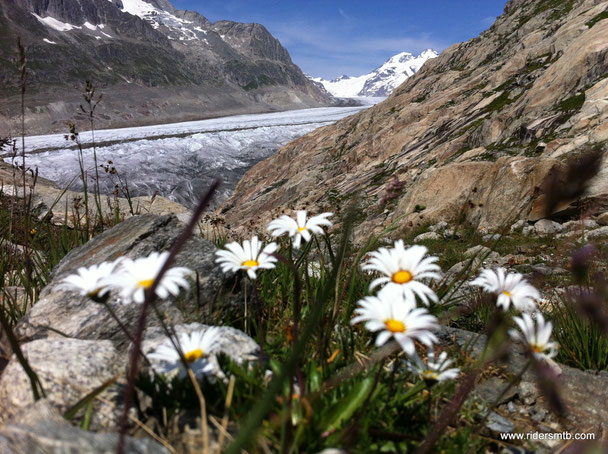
150 297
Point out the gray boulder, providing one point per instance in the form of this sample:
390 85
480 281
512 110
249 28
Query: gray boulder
427 236
602 232
547 227
583 224
602 219
40 429
491 237
67 313
518 226
68 370
75 345
527 230
439 227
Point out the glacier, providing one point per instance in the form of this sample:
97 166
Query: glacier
177 160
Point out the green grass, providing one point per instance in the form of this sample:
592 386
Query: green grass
582 344
574 103
501 101
559 9
601 16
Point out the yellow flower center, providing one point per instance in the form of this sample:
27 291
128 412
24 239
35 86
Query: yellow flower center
430 375
402 277
395 326
250 263
194 355
147 283
506 293
537 348
94 293
301 229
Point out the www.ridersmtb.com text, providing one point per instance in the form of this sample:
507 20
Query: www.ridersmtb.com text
547 436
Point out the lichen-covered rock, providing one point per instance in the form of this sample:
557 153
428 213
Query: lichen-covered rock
79 317
39 428
68 369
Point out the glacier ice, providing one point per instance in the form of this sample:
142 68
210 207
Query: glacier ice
177 160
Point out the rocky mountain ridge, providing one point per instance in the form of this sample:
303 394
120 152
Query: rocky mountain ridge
155 63
382 80
472 136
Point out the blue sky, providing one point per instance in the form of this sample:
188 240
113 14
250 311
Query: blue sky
331 38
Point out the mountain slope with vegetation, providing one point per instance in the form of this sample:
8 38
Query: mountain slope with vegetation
154 63
472 136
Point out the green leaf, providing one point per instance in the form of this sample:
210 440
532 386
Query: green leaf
69 415
348 405
315 379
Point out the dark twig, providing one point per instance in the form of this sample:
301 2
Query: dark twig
150 297
450 412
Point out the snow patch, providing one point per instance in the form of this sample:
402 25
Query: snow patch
56 24
138 8
48 41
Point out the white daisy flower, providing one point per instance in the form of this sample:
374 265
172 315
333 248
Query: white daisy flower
250 256
133 277
300 228
535 335
89 281
196 347
511 288
395 316
433 370
403 269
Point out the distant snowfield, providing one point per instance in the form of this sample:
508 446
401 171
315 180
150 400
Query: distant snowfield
178 160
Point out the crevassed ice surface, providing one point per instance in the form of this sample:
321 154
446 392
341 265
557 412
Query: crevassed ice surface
178 160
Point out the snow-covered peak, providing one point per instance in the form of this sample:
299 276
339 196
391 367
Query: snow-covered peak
177 29
138 8
399 58
380 82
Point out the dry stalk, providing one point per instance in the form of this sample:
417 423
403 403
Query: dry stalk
228 404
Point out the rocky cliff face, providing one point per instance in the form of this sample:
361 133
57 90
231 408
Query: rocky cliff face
154 63
471 136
